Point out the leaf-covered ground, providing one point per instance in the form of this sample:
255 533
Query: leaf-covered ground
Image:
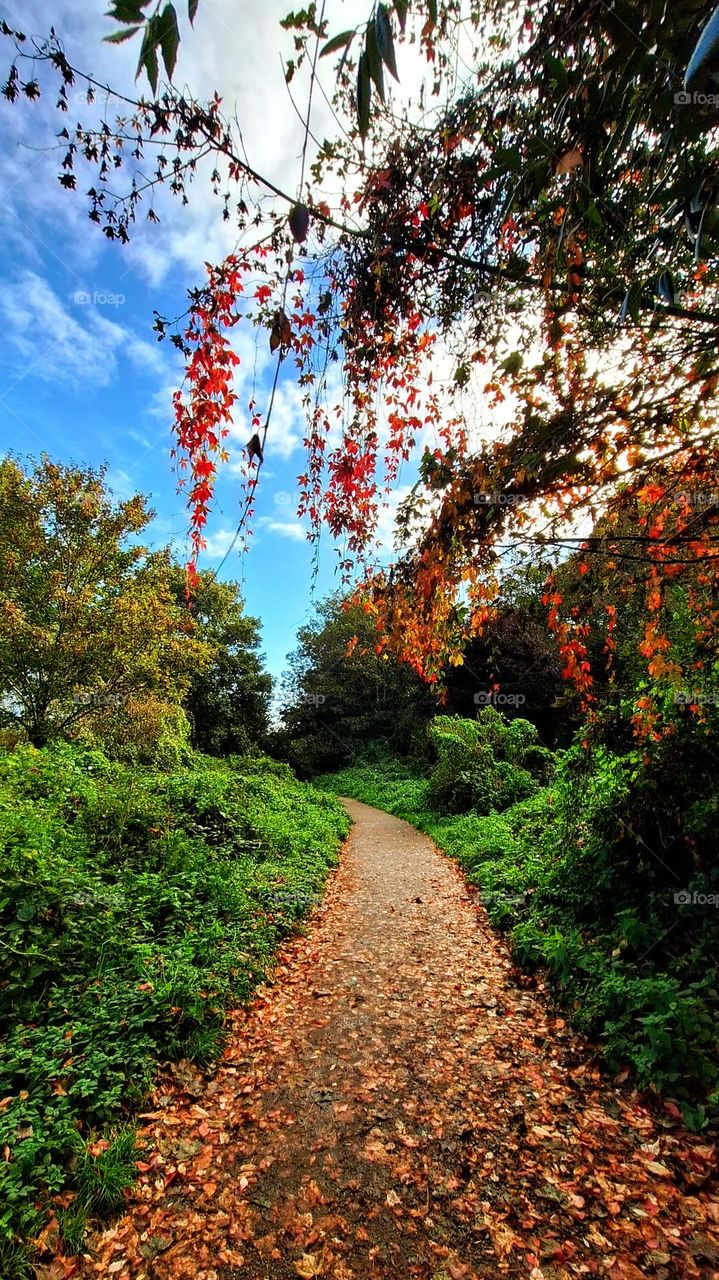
396 1104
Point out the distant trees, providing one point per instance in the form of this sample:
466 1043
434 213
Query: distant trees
96 636
228 699
514 664
342 698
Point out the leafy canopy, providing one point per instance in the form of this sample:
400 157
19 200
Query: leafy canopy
538 232
89 619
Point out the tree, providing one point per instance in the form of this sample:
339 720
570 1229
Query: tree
344 695
549 220
515 664
88 618
228 700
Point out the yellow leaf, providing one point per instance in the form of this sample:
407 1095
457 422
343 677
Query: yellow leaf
309 1265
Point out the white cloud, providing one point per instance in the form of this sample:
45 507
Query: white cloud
75 340
292 529
218 543
233 50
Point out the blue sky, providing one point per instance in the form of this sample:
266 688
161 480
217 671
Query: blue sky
82 376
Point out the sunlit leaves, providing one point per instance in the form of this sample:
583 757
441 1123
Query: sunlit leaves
203 415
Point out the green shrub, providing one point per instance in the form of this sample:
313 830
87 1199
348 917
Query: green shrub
484 764
135 905
144 730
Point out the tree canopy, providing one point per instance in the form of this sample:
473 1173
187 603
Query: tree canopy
535 232
89 619
228 699
344 695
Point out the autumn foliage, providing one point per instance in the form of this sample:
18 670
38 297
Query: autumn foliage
541 240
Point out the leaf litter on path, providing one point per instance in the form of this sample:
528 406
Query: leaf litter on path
397 1103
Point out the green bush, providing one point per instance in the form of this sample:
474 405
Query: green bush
134 907
484 764
144 730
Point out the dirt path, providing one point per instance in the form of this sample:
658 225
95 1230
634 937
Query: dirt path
395 1105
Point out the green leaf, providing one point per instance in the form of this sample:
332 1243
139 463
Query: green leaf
119 37
594 216
148 54
432 7
513 363
557 70
169 38
364 91
337 42
385 39
632 304
192 6
401 8
129 11
374 59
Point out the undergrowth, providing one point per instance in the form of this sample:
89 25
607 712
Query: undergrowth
135 906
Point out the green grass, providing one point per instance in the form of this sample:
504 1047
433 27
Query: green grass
135 907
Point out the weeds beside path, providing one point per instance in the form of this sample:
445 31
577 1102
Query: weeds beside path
395 1105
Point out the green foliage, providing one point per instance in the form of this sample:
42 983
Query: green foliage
595 879
134 907
484 764
160 32
228 700
87 614
103 1176
343 700
144 730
